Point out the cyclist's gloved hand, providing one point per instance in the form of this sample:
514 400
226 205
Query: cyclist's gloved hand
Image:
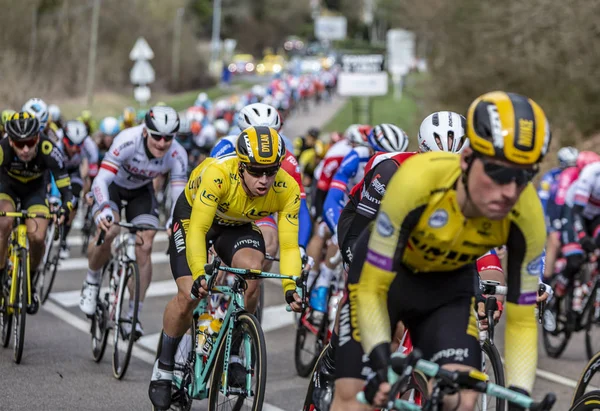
294 300
377 388
588 244
199 287
54 202
65 209
102 218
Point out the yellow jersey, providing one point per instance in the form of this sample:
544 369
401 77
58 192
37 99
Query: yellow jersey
420 224
215 193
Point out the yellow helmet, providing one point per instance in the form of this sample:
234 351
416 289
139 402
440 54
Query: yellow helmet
129 115
6 115
260 145
509 127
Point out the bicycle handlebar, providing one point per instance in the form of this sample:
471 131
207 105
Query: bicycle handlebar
131 227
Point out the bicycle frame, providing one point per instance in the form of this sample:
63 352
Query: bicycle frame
18 241
197 389
124 246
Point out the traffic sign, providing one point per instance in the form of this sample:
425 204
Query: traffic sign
330 27
363 84
367 63
142 73
142 94
141 50
401 51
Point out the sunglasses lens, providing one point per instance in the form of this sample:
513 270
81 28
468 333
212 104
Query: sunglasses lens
506 175
28 143
259 172
158 137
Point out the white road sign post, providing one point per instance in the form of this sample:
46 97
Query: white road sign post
400 57
363 76
330 27
142 72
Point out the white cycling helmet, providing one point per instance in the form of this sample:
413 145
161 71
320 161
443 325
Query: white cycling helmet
162 120
75 132
54 112
443 131
358 134
221 126
110 126
388 137
202 97
258 90
185 125
38 108
259 114
567 156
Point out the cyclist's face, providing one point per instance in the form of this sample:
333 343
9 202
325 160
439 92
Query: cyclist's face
158 145
492 199
259 184
25 152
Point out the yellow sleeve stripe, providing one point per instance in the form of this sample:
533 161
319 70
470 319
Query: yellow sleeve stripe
63 182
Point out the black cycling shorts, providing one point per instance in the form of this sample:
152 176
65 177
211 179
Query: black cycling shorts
437 309
33 195
141 206
227 240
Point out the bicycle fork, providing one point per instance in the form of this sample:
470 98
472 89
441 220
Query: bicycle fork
21 243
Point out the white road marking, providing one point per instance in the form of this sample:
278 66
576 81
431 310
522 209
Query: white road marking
82 263
156 289
77 241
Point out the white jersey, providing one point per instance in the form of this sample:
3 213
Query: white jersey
89 150
585 191
129 164
207 136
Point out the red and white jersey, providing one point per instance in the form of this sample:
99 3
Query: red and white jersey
565 179
376 159
489 261
129 164
291 166
330 163
585 191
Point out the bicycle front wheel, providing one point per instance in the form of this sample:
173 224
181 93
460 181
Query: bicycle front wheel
492 366
592 326
20 308
47 278
5 317
249 337
588 378
123 340
588 402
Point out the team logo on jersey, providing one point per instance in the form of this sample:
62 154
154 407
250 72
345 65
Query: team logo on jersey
438 219
385 228
536 265
218 182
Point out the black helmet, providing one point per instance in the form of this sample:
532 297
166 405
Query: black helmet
22 126
314 132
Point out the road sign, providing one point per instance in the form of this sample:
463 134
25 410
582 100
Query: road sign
141 73
141 94
330 27
364 63
401 51
363 84
141 50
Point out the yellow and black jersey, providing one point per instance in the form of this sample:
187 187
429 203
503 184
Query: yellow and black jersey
48 158
420 225
216 195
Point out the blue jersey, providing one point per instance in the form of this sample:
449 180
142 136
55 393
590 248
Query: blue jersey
350 172
548 185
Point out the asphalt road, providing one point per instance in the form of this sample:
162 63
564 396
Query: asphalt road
58 373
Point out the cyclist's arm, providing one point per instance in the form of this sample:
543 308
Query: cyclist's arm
583 191
525 246
396 218
544 189
223 147
291 166
121 149
334 202
288 237
178 173
56 164
204 208
91 153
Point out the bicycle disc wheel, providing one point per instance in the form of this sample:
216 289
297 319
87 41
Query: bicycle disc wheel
310 341
592 327
99 329
493 368
588 402
555 330
588 377
261 303
123 344
5 317
248 335
21 306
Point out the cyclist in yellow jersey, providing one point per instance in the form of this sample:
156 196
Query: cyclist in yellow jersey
418 263
222 200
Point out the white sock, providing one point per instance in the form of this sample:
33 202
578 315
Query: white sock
312 274
93 277
131 305
325 277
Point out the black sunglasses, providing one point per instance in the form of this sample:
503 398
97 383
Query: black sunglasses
29 143
158 136
505 175
262 171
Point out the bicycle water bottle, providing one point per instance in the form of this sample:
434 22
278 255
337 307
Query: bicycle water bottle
211 332
202 331
577 296
561 285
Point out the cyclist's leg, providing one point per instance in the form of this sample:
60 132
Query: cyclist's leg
243 247
76 188
268 228
6 204
34 201
318 296
315 249
552 249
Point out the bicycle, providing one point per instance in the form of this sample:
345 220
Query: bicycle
561 319
15 288
87 229
121 273
448 382
203 376
589 401
46 272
